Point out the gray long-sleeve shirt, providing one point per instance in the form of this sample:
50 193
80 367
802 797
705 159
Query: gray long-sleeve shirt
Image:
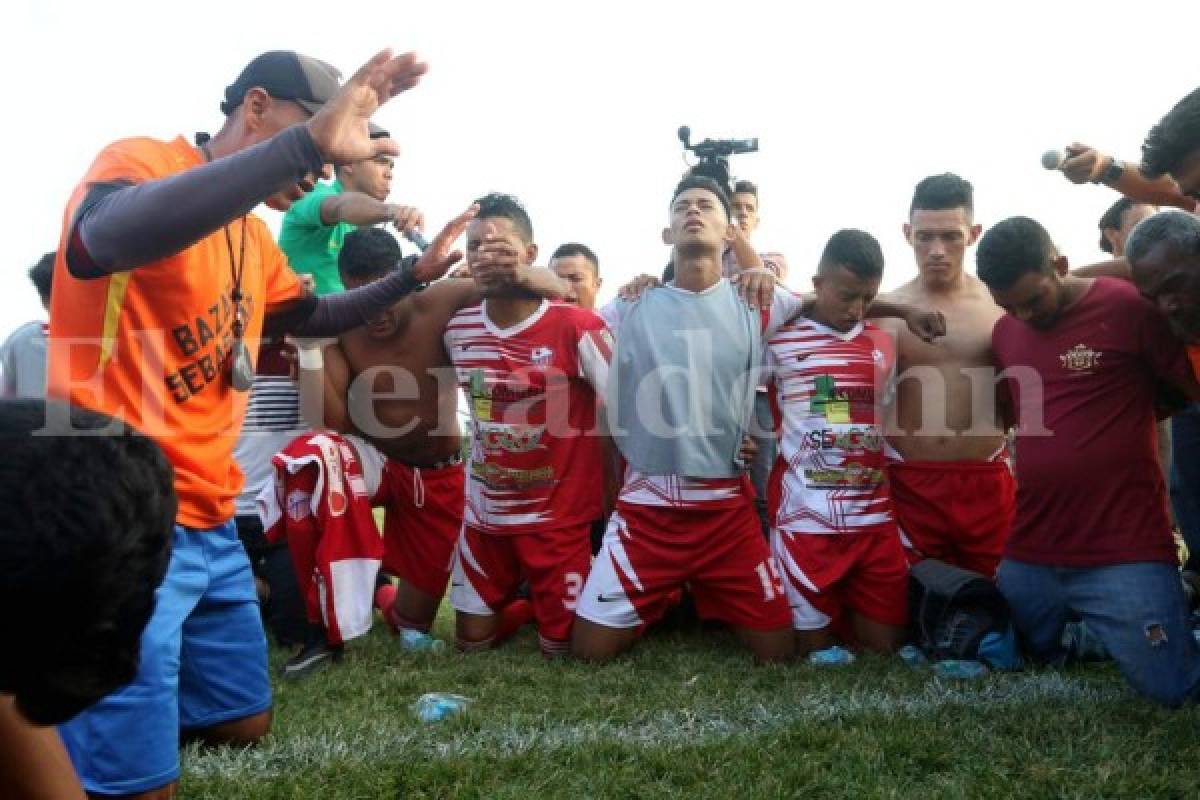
23 362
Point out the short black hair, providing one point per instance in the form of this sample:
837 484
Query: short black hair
943 192
1174 137
856 250
578 249
745 187
368 253
692 181
496 205
42 275
1178 230
1113 219
86 522
1010 249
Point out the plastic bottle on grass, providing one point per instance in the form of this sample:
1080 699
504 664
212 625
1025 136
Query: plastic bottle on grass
418 642
911 655
835 656
435 706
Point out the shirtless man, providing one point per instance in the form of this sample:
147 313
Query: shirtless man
952 490
391 386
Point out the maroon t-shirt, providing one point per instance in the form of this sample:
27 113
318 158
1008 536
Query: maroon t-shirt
1091 493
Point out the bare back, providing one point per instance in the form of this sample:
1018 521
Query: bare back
945 408
415 394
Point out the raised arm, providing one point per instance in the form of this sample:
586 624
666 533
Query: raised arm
123 224
1085 164
357 208
334 314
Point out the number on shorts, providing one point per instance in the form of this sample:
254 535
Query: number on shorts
574 586
772 582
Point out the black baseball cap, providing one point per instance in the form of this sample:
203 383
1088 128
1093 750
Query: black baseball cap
286 75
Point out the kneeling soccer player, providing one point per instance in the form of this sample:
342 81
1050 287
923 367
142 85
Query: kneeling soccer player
833 532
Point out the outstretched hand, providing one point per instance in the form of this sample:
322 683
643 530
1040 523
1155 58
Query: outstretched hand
339 129
438 257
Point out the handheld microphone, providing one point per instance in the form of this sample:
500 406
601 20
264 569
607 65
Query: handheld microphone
1053 159
417 239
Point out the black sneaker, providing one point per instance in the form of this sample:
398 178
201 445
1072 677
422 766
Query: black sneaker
311 658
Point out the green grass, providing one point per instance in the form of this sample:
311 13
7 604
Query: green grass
688 715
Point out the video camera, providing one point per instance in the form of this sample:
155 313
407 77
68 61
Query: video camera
713 155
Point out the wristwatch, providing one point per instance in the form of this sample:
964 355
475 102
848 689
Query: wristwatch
1112 173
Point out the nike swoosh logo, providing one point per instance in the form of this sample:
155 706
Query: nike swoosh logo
615 598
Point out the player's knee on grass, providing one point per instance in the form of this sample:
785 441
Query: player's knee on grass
771 646
475 632
877 636
242 732
598 643
810 641
413 607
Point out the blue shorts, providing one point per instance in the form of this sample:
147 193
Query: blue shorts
203 662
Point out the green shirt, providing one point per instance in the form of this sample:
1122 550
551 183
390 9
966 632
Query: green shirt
312 247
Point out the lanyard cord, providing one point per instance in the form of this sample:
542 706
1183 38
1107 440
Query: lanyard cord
235 271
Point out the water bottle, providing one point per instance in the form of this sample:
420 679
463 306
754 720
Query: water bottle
835 656
912 656
418 642
436 706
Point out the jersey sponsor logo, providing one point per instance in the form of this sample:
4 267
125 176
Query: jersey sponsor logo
867 439
510 438
485 397
851 475
1080 358
495 476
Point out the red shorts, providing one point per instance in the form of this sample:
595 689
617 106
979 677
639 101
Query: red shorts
422 522
829 574
960 512
489 567
649 551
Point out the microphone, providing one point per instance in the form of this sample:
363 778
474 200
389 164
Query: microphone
1053 159
417 239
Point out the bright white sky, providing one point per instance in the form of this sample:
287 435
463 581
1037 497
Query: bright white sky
574 107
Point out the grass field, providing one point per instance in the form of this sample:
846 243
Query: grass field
688 715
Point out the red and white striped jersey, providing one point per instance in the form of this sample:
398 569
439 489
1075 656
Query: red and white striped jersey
679 491
536 461
829 389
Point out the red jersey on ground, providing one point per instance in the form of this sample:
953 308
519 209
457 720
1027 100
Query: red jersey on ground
536 461
1089 488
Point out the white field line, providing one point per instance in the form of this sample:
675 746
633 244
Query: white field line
379 741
